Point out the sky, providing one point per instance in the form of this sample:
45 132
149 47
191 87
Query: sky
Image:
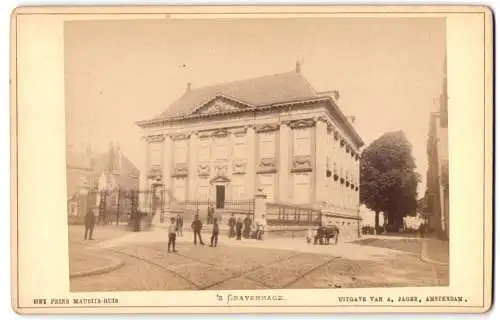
388 71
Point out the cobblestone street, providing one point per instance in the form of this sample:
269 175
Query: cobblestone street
250 264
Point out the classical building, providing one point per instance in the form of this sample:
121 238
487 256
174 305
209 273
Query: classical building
276 133
437 193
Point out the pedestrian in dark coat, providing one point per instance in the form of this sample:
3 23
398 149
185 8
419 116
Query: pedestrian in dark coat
196 226
90 219
171 234
232 225
239 226
215 234
210 215
247 223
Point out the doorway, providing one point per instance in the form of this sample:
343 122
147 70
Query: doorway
220 196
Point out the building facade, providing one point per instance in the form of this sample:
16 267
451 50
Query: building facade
437 193
274 133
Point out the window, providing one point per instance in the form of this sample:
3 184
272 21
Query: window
180 151
267 144
301 187
239 150
302 141
220 148
204 151
155 153
238 188
180 189
203 189
267 185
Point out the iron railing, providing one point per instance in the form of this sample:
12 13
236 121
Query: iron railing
285 214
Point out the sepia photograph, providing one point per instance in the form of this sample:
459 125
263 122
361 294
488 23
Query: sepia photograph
251 159
264 154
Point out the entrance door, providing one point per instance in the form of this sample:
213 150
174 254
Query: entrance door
220 196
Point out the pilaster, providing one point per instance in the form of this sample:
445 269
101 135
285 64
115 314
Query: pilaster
167 165
251 175
192 163
284 163
320 158
143 179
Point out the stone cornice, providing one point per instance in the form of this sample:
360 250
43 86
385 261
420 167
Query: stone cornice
334 110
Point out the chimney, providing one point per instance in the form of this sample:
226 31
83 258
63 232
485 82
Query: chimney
188 87
352 119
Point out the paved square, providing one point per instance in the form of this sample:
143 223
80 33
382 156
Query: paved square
251 264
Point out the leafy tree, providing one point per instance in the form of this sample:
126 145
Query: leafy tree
388 181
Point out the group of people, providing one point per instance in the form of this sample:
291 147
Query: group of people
246 227
237 228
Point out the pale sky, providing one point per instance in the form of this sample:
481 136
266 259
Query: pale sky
388 70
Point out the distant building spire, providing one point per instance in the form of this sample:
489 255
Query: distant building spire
444 96
298 66
188 87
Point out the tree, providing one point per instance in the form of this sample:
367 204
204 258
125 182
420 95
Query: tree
388 181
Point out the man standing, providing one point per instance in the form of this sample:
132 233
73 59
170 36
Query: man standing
239 226
247 223
196 226
210 214
179 224
215 234
171 234
90 218
232 224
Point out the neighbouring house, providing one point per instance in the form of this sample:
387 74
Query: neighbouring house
92 176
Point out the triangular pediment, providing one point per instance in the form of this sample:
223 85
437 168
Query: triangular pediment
221 104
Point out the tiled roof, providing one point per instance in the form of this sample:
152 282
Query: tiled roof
283 87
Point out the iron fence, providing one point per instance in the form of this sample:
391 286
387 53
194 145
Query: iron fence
283 214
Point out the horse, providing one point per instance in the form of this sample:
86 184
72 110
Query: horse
324 234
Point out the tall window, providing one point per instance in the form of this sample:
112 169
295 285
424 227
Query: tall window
155 153
239 150
302 141
204 151
267 185
301 187
203 188
180 151
238 187
220 148
267 141
180 189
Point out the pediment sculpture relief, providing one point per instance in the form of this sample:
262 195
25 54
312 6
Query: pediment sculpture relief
221 104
